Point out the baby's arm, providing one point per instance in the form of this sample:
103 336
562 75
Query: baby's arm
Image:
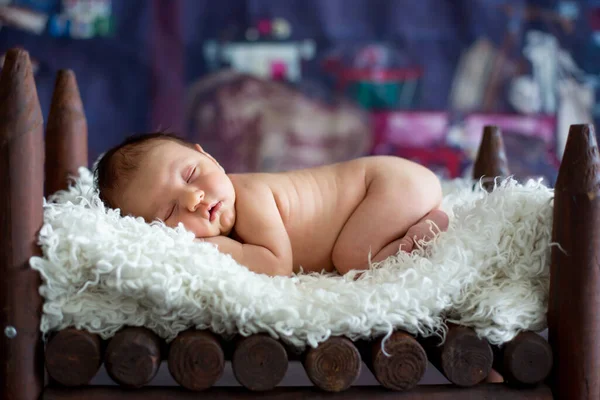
266 248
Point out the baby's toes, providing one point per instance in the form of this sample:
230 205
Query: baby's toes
420 231
406 244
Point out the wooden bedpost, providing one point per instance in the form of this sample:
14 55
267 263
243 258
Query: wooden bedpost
21 216
491 159
66 134
574 300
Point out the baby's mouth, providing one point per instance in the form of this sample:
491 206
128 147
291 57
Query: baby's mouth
212 211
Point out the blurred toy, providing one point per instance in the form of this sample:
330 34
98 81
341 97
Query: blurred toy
78 19
83 19
472 76
484 70
266 53
466 134
376 76
409 129
27 19
557 86
252 124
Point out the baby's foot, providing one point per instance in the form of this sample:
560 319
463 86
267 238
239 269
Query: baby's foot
423 230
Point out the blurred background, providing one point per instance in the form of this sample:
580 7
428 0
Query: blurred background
271 85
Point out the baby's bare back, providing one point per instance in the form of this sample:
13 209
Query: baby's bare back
316 204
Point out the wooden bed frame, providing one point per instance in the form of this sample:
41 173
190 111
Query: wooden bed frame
567 366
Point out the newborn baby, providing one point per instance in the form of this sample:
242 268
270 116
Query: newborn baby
329 218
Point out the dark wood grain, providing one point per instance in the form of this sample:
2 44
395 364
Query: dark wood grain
334 365
574 301
259 362
73 357
464 358
133 357
491 161
404 365
525 360
196 360
429 392
21 193
66 133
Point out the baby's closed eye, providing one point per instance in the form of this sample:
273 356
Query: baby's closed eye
190 174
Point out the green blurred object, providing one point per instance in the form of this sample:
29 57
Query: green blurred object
104 26
385 95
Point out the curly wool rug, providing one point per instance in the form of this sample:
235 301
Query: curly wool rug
489 271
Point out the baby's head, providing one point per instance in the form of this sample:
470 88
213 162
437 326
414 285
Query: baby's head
159 176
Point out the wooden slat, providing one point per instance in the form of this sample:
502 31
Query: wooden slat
21 216
404 365
574 303
196 360
73 357
133 357
464 358
333 365
259 362
525 360
430 392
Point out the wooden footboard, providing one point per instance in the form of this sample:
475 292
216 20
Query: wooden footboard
565 367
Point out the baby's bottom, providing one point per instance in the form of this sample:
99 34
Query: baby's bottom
383 224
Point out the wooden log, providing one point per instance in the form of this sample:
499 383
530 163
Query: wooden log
21 216
73 357
426 392
259 362
196 360
525 360
404 365
491 161
464 358
133 357
574 302
333 365
66 134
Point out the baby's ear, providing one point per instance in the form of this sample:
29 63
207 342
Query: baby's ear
201 150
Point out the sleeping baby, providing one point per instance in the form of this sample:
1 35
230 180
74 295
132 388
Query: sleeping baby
337 217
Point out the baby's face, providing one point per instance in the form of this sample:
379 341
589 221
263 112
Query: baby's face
178 184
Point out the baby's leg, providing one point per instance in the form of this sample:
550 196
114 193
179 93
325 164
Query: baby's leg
381 223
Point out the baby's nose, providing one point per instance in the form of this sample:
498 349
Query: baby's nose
193 199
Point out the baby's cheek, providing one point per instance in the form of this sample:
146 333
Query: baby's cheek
195 224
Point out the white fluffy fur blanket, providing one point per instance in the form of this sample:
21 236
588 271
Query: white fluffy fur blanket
490 271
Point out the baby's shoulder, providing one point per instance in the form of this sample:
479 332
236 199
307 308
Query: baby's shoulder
251 184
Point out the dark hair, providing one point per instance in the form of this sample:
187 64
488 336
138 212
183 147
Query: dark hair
120 162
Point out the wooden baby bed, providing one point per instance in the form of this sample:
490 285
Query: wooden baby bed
565 367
